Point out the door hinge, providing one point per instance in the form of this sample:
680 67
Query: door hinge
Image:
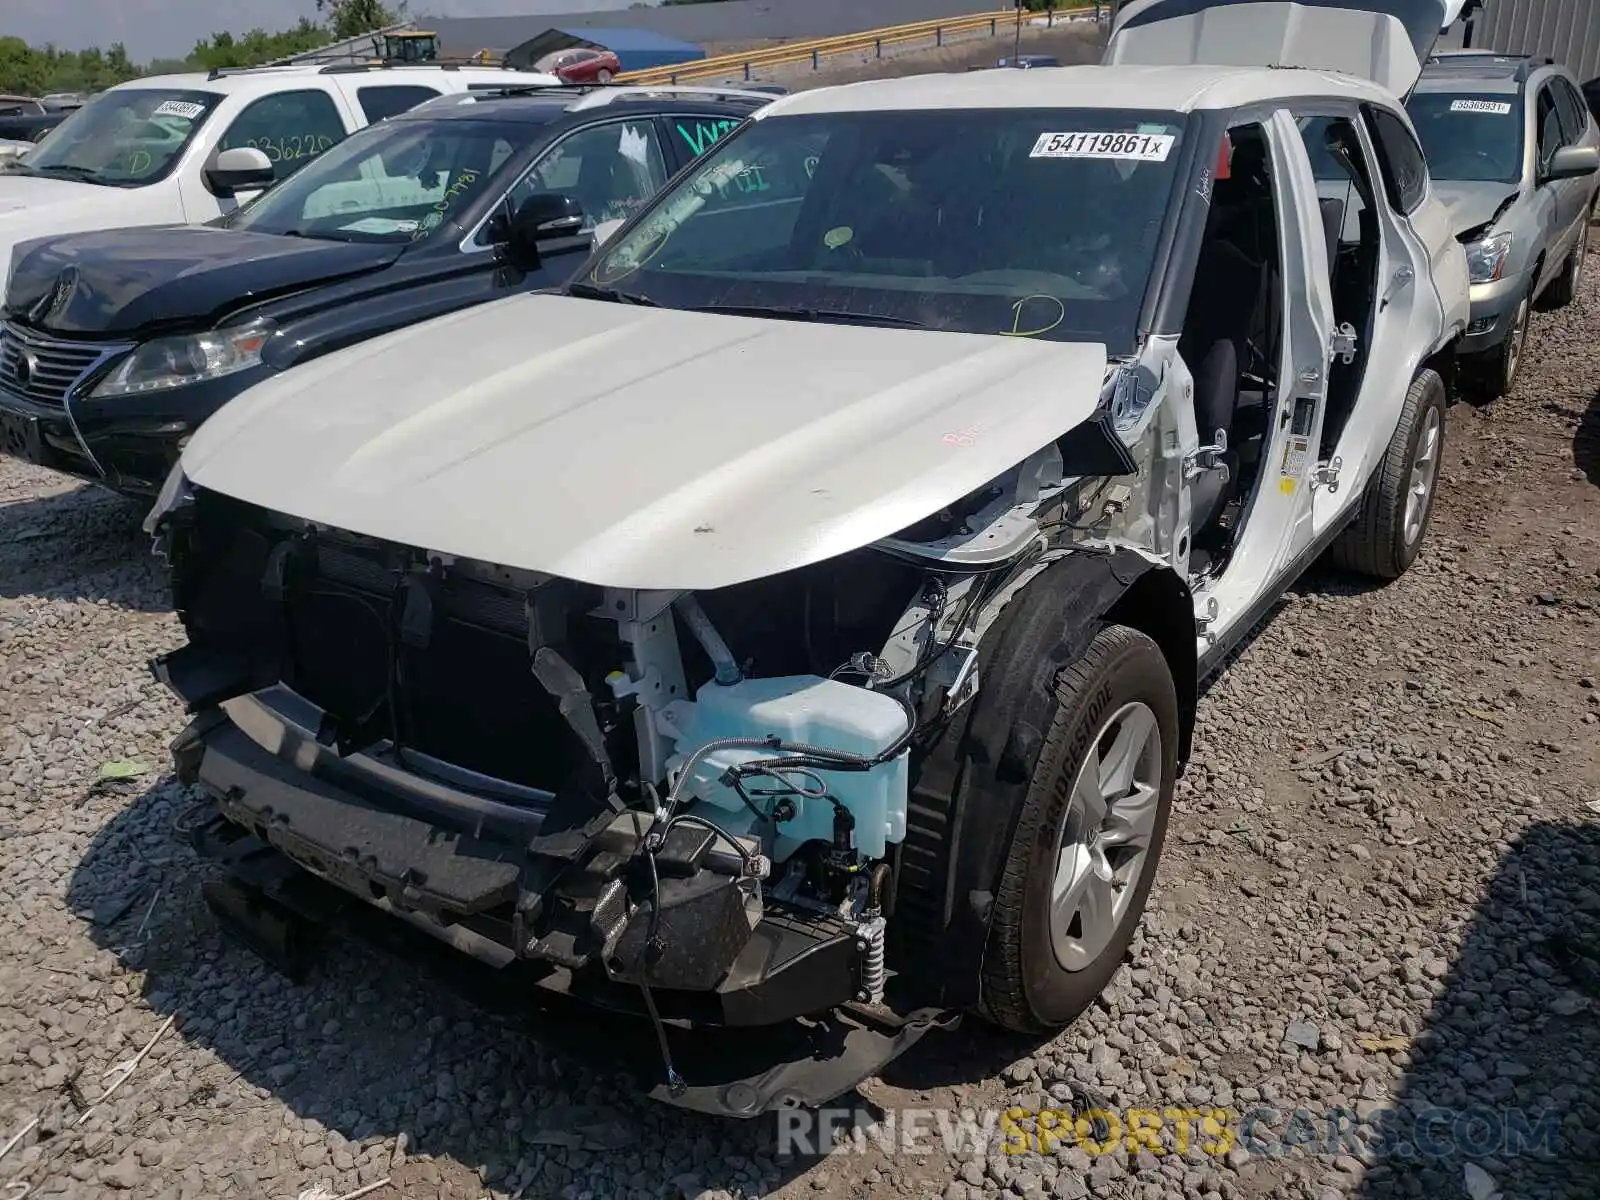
1343 343
1207 458
1328 475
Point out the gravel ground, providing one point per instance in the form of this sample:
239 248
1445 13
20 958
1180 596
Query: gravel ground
1384 869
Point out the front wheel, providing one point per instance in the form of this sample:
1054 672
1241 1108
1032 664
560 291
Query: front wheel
1083 855
1491 375
603 75
1386 535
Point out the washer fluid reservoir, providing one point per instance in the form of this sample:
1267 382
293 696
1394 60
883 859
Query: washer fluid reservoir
805 709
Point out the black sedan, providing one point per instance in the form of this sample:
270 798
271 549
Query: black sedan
117 345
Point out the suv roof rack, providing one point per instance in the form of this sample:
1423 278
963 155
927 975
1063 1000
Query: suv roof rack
224 72
454 64
609 94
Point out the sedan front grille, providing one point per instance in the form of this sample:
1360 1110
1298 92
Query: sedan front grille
46 370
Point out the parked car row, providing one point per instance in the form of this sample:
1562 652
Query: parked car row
751 562
121 343
1514 151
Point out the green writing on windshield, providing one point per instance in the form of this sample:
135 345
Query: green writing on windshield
701 134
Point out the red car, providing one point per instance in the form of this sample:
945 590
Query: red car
580 64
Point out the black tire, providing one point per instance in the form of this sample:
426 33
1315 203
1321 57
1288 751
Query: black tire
1024 987
1377 543
1563 289
1490 375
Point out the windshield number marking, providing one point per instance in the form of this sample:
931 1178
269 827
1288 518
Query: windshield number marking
1121 147
186 109
1499 108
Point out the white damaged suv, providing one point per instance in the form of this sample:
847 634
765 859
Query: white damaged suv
797 624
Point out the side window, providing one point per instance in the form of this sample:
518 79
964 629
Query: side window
380 102
1574 112
1549 124
290 128
1344 208
610 169
694 135
1404 170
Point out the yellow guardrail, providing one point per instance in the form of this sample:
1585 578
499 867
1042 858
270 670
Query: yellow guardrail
814 51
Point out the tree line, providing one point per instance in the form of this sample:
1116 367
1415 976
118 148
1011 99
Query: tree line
38 70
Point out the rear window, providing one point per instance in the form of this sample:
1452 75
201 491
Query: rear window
385 101
1470 137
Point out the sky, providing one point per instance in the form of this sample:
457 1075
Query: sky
170 28
149 28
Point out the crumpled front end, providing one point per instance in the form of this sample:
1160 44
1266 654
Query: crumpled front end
694 806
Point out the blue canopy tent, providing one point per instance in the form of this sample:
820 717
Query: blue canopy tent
636 49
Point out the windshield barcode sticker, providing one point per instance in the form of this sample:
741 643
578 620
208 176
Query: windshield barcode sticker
1499 108
1124 147
187 109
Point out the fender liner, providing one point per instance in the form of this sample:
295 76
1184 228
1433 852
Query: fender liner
971 782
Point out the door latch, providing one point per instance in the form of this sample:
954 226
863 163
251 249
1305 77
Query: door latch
1343 343
1207 458
1328 475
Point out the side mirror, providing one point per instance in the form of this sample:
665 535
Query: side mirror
1572 162
242 169
546 223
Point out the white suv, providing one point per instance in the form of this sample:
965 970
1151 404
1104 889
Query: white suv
184 149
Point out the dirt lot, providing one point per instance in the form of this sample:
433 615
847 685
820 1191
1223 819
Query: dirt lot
1381 896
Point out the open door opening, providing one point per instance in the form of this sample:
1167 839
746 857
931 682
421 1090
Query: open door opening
1232 338
1346 196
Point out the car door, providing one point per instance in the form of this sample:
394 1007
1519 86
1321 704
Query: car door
290 127
1412 198
1577 130
611 167
1386 41
1550 136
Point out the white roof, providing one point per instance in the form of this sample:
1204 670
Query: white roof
272 79
1168 88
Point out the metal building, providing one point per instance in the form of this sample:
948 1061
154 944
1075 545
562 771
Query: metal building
1566 30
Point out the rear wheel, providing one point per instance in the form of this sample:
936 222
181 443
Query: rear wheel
1083 855
1386 535
1563 290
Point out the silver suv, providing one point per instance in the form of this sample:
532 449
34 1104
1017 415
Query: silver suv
1513 149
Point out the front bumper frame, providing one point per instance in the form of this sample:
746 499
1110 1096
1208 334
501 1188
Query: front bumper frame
446 854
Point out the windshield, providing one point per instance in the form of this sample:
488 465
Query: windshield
123 138
1470 138
1036 223
398 181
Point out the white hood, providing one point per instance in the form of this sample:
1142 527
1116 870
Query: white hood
1385 41
639 447
34 207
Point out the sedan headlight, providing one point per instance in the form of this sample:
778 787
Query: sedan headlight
175 361
1486 258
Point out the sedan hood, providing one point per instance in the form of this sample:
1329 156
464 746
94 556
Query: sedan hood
638 447
123 281
1472 204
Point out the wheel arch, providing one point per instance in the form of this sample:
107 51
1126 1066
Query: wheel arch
969 786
